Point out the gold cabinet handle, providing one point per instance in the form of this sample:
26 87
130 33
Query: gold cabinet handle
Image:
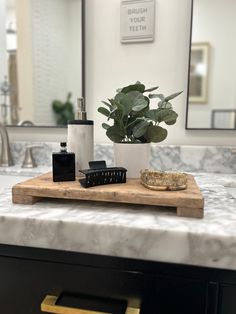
49 306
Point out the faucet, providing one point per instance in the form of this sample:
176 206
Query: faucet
6 157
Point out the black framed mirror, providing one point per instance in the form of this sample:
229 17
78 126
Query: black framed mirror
211 100
42 56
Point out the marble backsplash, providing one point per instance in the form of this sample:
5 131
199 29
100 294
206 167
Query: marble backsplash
212 159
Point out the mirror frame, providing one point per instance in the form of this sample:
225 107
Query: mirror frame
188 83
83 75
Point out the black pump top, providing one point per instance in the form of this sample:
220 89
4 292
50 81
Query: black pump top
63 147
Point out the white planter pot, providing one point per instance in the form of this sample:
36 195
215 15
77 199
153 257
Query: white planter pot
133 157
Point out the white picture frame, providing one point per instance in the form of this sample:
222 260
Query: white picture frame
137 20
199 73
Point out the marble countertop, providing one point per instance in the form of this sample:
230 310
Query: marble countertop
140 232
16 170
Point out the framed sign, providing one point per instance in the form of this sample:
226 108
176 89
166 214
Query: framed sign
199 68
137 20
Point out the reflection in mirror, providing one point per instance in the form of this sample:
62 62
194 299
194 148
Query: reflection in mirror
225 119
40 61
212 70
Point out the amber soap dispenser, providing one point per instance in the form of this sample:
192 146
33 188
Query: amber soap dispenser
63 165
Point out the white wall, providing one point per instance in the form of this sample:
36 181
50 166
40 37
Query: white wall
110 64
207 27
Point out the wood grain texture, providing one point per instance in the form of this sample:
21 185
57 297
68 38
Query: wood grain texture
25 199
190 212
189 202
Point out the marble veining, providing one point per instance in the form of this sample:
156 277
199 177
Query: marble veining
133 231
163 157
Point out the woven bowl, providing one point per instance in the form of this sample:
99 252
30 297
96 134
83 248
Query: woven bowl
163 181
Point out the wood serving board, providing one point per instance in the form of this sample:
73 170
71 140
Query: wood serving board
189 202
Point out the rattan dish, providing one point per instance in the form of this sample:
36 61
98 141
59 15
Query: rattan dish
163 181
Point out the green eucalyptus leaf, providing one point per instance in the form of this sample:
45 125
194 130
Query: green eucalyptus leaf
139 114
105 126
113 113
68 115
152 115
107 104
156 134
69 95
119 97
151 89
164 105
57 106
115 134
104 111
162 115
135 87
129 129
171 118
132 121
142 139
147 99
173 96
140 129
112 102
166 115
64 111
130 99
160 96
139 104
119 112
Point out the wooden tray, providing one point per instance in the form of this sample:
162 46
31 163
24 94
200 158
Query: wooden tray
189 202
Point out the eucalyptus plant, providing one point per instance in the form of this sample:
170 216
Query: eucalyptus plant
63 111
132 119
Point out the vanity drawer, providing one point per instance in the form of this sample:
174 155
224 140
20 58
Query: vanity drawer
25 283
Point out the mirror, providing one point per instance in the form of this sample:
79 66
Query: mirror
212 69
41 61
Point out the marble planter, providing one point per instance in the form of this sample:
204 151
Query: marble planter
134 157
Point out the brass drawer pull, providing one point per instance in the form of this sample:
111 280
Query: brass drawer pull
49 306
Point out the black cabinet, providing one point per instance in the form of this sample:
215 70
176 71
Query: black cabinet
227 299
29 274
180 296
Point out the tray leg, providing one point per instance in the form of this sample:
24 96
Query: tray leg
190 212
25 199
